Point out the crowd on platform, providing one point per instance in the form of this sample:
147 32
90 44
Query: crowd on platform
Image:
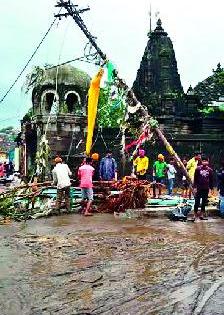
164 173
162 176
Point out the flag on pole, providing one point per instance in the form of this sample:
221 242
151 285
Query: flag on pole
93 96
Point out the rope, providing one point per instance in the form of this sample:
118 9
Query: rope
71 143
29 60
103 139
97 136
56 80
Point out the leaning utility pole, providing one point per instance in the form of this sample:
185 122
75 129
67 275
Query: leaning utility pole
134 105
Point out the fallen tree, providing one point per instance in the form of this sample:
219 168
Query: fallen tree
133 194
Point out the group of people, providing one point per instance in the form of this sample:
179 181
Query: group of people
6 169
199 171
162 172
90 170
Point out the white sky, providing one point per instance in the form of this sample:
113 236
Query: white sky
196 28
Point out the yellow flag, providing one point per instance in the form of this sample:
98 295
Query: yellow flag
93 96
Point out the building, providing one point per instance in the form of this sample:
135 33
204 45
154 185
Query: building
59 112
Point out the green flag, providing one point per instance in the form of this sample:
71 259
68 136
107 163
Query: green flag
110 69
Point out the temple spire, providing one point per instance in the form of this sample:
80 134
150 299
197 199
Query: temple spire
158 73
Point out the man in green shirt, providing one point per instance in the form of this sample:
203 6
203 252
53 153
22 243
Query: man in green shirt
159 174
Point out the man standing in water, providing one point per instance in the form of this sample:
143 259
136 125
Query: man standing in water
108 167
85 174
61 173
159 174
141 163
203 181
171 173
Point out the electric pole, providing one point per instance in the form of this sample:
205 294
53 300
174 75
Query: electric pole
133 103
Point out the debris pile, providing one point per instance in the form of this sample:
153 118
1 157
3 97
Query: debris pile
132 194
22 202
38 200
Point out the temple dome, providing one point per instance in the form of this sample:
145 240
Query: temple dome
67 75
65 84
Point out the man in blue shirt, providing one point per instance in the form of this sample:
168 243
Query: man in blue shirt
108 167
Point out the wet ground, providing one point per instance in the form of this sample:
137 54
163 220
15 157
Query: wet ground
104 265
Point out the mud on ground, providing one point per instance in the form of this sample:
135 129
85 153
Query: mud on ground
102 265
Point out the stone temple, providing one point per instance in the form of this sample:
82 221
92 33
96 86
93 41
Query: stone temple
158 86
62 94
158 73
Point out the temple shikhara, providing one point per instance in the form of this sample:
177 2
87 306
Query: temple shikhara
158 74
158 86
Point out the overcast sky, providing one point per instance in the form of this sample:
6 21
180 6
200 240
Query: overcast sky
195 27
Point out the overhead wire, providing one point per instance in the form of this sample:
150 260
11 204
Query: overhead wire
88 57
8 118
29 60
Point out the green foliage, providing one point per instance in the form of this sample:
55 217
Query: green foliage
6 129
42 157
8 136
206 111
211 88
34 78
5 205
110 112
63 108
27 117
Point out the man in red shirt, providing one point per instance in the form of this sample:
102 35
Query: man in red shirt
85 174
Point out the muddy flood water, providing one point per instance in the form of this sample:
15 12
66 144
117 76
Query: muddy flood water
104 265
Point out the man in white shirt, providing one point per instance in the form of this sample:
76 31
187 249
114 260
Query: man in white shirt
61 173
171 173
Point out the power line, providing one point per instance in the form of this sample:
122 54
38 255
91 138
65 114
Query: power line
82 59
29 60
